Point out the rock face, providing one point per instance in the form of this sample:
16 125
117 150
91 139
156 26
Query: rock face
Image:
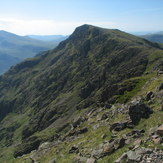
26 147
137 110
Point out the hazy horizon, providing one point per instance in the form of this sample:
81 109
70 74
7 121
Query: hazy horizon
56 17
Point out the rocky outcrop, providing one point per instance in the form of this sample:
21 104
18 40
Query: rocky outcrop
77 122
27 146
137 110
108 148
118 126
77 132
141 155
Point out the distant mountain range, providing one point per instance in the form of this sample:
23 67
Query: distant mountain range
154 37
48 37
14 48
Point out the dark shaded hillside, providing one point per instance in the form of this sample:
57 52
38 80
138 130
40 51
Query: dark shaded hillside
93 68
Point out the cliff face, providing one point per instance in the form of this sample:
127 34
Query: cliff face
94 68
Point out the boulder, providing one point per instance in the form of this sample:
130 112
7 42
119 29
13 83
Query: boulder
143 150
74 149
137 110
121 159
118 126
160 87
160 130
103 150
79 159
44 146
149 95
91 160
157 140
76 132
82 130
133 157
104 116
97 153
135 133
137 142
77 122
108 148
119 143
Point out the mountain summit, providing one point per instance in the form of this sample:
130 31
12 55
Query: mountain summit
89 90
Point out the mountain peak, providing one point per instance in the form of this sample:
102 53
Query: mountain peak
83 30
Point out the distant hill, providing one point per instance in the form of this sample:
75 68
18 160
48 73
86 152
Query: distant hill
156 37
14 48
6 61
48 37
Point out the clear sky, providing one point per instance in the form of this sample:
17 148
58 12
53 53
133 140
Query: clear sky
45 17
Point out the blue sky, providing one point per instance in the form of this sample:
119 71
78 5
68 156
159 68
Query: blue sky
62 16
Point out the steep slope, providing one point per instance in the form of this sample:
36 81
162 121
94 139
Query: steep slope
93 69
17 48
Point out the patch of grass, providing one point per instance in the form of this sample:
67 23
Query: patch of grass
137 88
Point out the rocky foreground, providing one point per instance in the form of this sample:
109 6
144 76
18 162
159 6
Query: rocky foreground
143 146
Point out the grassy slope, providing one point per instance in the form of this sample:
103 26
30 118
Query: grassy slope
93 138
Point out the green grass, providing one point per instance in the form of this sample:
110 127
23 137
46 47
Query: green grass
136 90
